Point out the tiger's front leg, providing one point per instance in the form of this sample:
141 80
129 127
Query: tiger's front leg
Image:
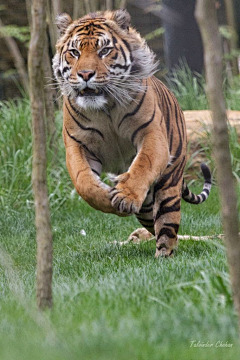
151 161
88 185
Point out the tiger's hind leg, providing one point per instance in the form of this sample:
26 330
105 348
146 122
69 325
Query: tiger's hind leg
160 216
166 213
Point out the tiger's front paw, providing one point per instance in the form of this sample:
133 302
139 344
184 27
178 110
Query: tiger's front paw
127 196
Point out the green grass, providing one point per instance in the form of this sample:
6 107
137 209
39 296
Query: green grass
114 302
189 89
110 302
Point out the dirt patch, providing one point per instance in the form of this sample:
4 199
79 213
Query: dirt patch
198 120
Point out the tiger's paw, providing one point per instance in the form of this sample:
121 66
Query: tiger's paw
125 196
125 201
165 247
163 252
140 235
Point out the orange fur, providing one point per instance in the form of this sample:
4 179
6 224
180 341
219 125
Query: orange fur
119 118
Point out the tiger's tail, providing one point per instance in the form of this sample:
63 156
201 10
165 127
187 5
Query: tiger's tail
191 198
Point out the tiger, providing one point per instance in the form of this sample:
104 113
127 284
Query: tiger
118 118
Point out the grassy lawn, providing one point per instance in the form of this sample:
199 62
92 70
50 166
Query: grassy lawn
114 302
110 302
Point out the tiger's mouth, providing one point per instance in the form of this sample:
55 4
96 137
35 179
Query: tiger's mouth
90 92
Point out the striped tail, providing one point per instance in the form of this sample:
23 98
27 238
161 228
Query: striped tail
191 198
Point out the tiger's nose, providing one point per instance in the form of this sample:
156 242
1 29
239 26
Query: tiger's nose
86 74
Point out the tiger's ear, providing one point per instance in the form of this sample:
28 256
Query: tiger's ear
122 18
63 21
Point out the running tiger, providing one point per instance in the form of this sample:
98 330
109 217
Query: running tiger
119 118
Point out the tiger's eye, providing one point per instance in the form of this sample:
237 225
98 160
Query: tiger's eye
104 51
75 52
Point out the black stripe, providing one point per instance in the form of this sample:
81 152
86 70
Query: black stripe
99 26
134 112
114 41
193 200
167 110
179 149
84 127
148 221
78 112
115 56
162 181
178 175
93 170
176 178
168 209
66 68
170 142
144 211
84 146
123 54
142 127
206 191
167 200
173 225
124 67
129 49
194 197
147 205
99 33
180 115
166 231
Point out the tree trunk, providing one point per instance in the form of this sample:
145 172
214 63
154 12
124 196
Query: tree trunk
28 8
78 9
231 21
109 4
87 6
122 4
54 8
49 100
207 20
182 39
39 178
17 58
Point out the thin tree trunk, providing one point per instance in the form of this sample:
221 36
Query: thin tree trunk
51 27
78 9
207 20
231 21
39 178
17 58
28 8
123 4
87 6
54 8
57 7
49 100
109 4
94 5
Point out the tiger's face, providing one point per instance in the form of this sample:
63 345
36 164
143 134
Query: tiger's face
100 58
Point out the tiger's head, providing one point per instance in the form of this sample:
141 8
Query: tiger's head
100 57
